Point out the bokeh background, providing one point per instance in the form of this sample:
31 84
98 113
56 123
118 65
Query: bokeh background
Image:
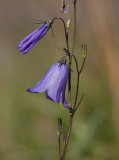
28 122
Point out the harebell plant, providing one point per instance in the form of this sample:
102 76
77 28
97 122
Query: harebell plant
58 76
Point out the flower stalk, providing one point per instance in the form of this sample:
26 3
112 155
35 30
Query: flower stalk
59 134
70 57
74 32
65 29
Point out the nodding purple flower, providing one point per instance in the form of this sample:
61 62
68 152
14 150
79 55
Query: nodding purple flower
29 41
54 83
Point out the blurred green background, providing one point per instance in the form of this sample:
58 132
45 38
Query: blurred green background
28 122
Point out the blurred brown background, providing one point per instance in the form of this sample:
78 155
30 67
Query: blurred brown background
28 122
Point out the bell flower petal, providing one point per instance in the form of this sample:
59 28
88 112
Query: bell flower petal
42 85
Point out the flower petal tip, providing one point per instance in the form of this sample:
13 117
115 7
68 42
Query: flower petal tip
28 90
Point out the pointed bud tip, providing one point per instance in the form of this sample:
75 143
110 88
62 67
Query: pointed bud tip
68 23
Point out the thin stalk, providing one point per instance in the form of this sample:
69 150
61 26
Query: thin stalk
70 57
79 103
66 34
67 138
59 145
78 75
77 88
59 135
74 32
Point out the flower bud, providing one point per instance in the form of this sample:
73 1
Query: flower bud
29 41
68 23
84 47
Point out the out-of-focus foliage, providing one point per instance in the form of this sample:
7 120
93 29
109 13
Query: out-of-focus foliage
28 122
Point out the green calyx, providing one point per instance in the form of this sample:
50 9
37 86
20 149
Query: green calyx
49 23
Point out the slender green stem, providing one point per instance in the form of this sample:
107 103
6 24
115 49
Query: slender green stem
70 57
79 103
67 138
66 34
74 32
78 74
59 141
59 135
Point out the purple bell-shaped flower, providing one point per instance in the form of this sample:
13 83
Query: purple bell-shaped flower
54 83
